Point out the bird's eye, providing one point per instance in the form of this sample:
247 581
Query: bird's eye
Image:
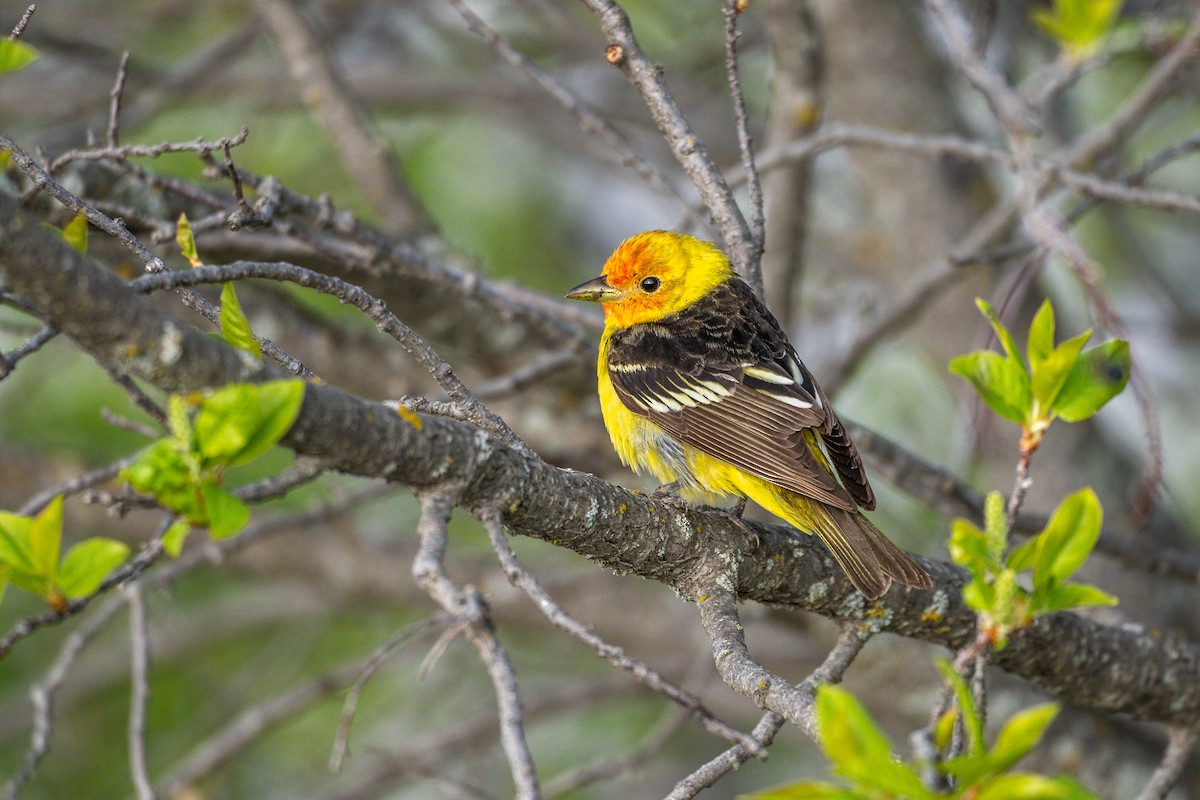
651 284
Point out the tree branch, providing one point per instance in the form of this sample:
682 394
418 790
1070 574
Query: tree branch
1148 675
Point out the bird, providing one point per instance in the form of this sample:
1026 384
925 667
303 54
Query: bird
700 387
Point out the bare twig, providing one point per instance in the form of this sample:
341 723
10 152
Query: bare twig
1181 742
232 739
139 646
589 121
120 152
795 110
42 693
341 741
114 97
34 343
624 52
849 643
374 308
609 767
521 579
366 153
753 268
429 572
793 702
20 26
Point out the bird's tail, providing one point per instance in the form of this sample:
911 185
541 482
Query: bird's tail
869 559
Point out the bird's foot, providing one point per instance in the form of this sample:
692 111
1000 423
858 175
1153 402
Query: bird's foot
735 516
666 494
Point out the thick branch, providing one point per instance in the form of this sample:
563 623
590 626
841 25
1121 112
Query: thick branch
1148 676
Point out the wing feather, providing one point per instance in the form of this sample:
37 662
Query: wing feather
722 377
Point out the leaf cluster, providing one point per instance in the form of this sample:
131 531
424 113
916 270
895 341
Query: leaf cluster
1056 381
208 433
1052 556
29 557
862 754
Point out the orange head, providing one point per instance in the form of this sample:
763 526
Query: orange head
654 274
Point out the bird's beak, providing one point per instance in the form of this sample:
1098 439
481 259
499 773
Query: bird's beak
597 290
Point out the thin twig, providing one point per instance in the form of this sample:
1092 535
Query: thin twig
366 153
42 693
341 740
589 121
521 579
722 624
139 678
114 106
430 574
121 152
34 343
753 268
1181 742
374 308
20 27
689 150
849 643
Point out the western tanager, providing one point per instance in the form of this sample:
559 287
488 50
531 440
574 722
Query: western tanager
700 387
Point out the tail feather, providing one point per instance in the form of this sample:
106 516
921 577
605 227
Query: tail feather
868 557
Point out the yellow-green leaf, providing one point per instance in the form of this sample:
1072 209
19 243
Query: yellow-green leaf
1068 538
1079 25
175 536
75 233
227 514
1098 376
235 327
45 538
1020 734
15 55
187 242
88 563
1001 382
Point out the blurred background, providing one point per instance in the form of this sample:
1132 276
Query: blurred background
496 177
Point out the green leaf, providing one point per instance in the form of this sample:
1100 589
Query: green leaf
972 724
1098 376
1068 538
1078 25
5 572
1001 382
980 596
858 748
1041 332
811 790
1023 557
175 536
186 241
162 471
1027 786
1006 340
88 563
15 537
1051 372
235 328
45 539
1021 734
227 514
968 547
75 232
1073 595
15 55
241 422
5 155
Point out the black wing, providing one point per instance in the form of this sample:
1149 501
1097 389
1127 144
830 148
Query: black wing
722 377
